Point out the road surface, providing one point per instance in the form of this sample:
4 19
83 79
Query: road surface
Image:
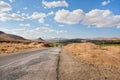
30 65
50 64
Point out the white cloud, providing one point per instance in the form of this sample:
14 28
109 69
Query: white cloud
101 18
45 29
37 32
5 15
50 13
25 8
25 25
4 6
96 17
49 30
67 17
11 1
39 16
26 33
61 31
54 4
61 25
13 16
18 12
26 15
18 16
41 20
105 2
118 26
46 25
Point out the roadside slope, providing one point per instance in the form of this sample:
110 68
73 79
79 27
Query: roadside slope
72 69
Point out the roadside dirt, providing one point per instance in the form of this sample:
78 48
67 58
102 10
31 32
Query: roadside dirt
18 47
73 68
95 54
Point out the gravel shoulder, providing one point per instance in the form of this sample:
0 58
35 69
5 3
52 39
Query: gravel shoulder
71 69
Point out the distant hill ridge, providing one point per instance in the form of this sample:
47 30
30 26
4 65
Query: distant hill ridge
39 39
114 38
1 32
10 37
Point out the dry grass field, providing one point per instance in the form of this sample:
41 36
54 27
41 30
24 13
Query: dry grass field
95 54
16 47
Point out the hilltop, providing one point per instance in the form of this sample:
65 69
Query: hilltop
10 37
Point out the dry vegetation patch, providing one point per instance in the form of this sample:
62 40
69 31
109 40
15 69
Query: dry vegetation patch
95 54
16 47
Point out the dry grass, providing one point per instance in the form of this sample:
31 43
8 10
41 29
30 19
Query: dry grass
94 54
16 47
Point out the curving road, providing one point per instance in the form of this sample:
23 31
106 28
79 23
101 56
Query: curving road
30 65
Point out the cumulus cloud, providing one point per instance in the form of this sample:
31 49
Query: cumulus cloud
48 30
5 15
26 33
54 4
101 18
4 6
13 16
18 16
25 8
45 29
26 15
37 32
25 25
11 1
67 17
96 17
105 2
18 12
41 20
50 13
39 16
61 25
47 25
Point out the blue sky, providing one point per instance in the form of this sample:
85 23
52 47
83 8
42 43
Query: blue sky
60 18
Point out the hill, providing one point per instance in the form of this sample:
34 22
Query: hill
10 37
39 39
107 39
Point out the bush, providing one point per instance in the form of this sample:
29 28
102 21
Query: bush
54 44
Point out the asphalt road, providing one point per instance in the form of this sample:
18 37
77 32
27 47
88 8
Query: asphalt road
30 65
